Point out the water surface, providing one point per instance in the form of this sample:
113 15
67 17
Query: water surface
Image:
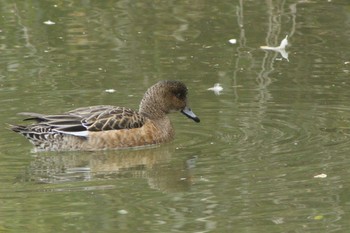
251 165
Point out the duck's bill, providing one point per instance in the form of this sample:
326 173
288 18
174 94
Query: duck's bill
188 112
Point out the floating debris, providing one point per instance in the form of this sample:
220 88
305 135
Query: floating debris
217 89
278 220
110 90
283 45
318 217
49 22
205 180
321 176
232 41
281 48
122 211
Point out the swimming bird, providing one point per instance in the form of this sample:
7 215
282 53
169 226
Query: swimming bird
110 127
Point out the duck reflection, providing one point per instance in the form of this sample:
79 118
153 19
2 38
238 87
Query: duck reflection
155 165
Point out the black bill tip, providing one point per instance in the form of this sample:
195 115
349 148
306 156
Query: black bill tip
188 112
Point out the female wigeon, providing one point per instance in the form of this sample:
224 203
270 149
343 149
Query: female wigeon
110 127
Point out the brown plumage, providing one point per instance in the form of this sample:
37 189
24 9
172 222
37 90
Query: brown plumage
110 127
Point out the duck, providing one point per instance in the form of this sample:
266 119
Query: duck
105 127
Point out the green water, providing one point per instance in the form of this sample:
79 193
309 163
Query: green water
249 166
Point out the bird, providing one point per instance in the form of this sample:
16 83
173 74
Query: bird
105 127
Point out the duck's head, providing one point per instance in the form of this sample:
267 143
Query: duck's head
165 97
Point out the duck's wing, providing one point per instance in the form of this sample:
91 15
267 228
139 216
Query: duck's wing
80 121
113 118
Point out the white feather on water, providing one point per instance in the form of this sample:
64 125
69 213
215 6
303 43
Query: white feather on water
217 89
281 48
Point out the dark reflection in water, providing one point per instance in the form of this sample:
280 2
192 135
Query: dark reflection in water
148 164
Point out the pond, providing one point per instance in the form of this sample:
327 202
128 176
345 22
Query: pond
272 150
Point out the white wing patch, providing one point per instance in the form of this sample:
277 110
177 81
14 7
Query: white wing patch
78 133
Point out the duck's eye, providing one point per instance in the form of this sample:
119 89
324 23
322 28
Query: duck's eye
179 95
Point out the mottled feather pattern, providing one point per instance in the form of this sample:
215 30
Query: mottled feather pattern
113 119
40 135
106 126
96 118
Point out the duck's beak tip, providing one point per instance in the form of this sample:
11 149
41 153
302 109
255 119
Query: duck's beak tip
188 112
